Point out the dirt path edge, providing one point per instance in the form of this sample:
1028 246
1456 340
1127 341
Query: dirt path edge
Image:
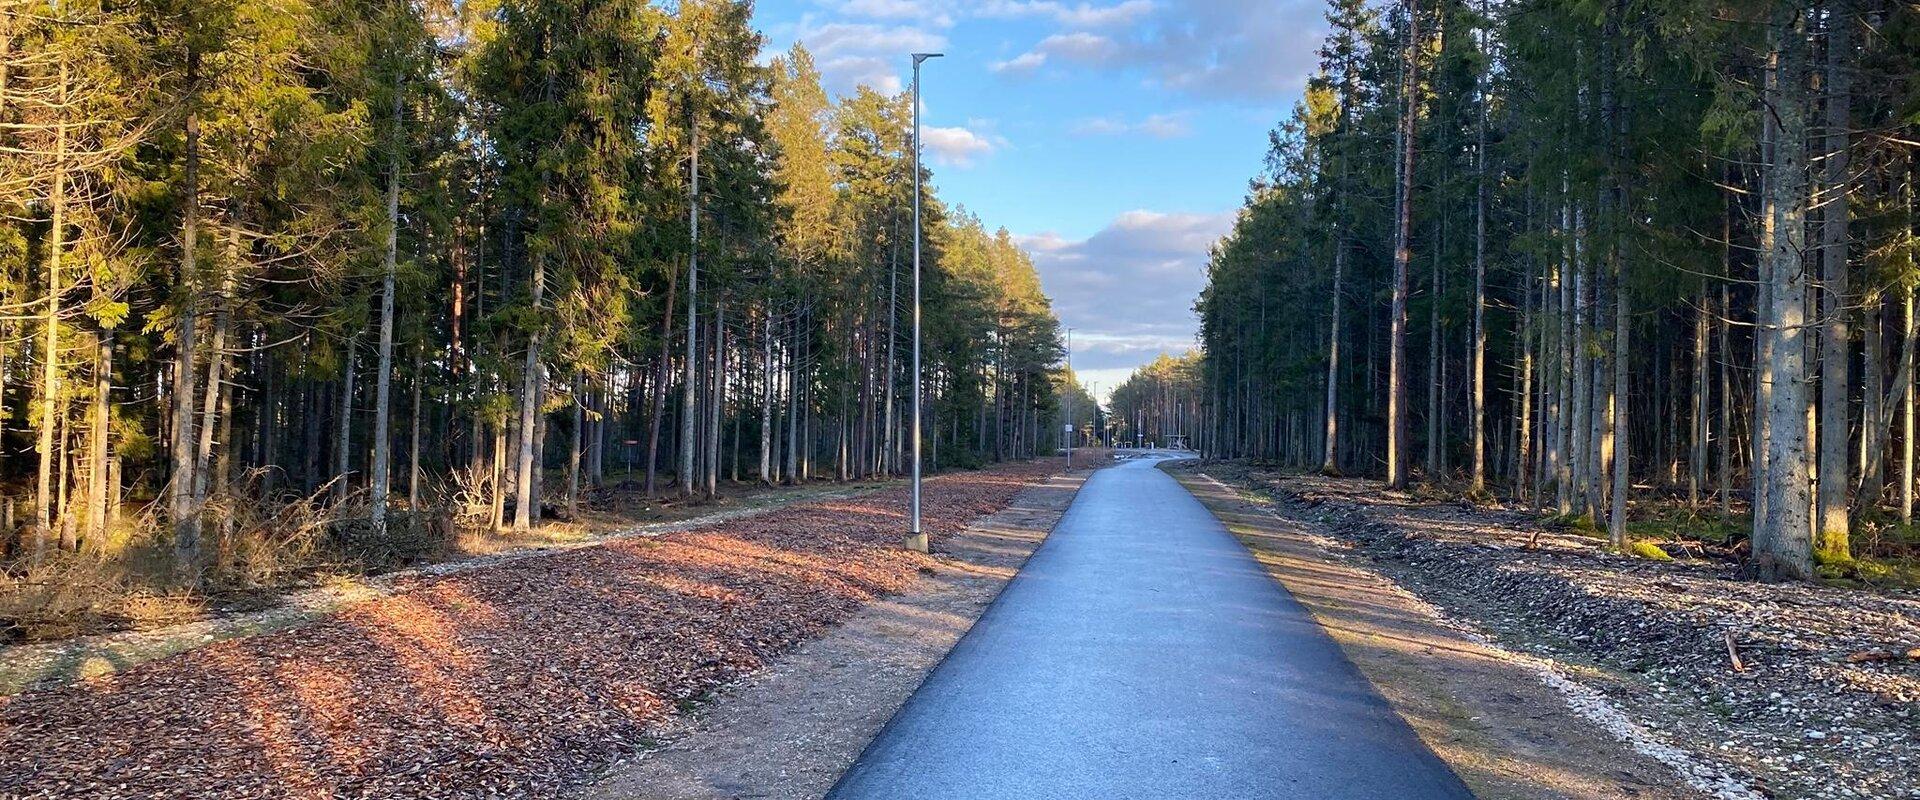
1510 724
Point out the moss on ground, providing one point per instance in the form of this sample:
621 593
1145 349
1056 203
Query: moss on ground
1648 550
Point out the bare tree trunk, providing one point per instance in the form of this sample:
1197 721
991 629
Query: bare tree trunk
1329 464
1617 516
525 494
1904 393
1479 368
102 420
1565 346
1835 306
413 446
498 510
50 411
1783 546
1580 455
659 393
575 448
718 403
382 481
1699 432
343 451
892 437
794 357
688 413
1523 431
1873 433
216 388
185 518
1436 374
1402 254
766 397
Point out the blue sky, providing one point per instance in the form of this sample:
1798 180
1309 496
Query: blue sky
1113 137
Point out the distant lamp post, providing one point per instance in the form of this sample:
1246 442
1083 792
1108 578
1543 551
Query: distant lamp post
1070 387
916 537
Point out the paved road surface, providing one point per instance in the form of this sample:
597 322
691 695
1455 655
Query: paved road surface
1143 653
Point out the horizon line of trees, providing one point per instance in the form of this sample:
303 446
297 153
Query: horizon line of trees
387 254
1588 253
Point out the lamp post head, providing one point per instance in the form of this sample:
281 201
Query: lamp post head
919 57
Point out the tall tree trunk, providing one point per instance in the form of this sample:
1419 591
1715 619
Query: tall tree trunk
576 446
50 411
1873 435
1436 371
1725 324
892 438
1564 364
526 495
180 508
766 396
216 388
688 412
97 492
1402 254
1329 464
381 482
1699 432
1479 368
1904 394
1783 546
1835 304
1617 516
717 406
343 449
413 445
662 374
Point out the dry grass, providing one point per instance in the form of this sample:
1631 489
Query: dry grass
254 551
259 551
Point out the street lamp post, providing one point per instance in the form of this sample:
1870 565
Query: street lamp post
916 537
1071 427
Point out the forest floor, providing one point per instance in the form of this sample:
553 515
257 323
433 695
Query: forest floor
618 512
1794 690
520 677
788 732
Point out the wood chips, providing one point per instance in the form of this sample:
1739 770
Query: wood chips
515 680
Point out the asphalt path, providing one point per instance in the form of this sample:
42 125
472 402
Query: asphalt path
1143 653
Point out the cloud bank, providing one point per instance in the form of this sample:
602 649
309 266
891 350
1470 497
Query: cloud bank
1128 290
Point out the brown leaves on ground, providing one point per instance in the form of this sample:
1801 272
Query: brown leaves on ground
513 680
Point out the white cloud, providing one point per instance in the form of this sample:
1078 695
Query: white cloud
1095 16
1100 126
1023 63
1078 46
957 147
1082 15
1233 49
853 54
930 12
1128 289
1165 126
1210 48
1158 126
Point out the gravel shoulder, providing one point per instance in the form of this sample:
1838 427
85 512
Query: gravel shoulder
788 732
1481 709
1820 705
